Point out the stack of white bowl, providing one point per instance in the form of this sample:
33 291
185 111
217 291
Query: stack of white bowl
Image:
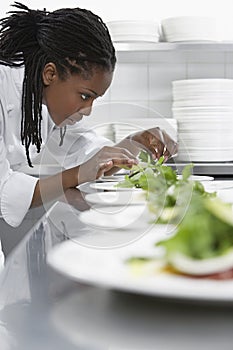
189 28
134 30
203 109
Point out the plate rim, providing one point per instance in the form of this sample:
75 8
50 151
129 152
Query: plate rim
205 290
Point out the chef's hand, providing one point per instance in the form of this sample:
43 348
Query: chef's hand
106 161
156 141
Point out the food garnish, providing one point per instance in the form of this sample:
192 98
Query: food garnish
202 244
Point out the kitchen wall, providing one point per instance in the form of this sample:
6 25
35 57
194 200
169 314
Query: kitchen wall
142 84
146 80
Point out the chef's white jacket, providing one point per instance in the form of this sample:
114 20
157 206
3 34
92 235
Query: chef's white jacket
16 188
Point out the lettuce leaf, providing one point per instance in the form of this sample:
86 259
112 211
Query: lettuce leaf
202 234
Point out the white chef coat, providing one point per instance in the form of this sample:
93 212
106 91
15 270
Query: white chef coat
79 144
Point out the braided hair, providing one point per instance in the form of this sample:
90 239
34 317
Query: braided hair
74 39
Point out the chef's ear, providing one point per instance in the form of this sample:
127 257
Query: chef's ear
49 74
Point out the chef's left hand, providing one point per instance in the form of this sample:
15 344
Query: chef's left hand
156 141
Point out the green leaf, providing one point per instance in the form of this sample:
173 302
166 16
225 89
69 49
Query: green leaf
186 172
203 233
143 156
160 161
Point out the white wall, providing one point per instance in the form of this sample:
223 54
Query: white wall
147 9
148 83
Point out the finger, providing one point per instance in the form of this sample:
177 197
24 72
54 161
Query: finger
115 162
118 150
119 156
124 162
172 147
157 149
103 167
123 151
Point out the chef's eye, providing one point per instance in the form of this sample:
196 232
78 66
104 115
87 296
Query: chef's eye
85 97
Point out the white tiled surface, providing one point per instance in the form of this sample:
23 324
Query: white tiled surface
160 77
205 70
229 58
205 57
142 83
229 66
161 108
167 57
130 82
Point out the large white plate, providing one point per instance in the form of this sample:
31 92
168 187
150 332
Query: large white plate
199 178
111 178
111 186
219 185
136 217
116 198
107 268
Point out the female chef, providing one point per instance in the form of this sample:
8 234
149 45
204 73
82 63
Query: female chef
53 65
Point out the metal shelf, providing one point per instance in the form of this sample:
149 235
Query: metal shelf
148 52
182 46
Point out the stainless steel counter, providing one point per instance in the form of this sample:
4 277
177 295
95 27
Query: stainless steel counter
41 309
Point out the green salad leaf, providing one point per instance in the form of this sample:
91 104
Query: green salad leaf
203 233
164 188
204 224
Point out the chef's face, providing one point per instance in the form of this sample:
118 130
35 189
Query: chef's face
70 99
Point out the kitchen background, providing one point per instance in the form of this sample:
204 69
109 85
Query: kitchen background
142 82
143 78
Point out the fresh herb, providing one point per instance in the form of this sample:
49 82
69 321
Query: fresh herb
168 195
149 175
206 230
204 224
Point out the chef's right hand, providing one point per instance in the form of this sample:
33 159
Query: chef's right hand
103 161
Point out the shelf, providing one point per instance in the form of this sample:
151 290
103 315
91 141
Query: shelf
182 46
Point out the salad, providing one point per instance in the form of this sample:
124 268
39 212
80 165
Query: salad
202 245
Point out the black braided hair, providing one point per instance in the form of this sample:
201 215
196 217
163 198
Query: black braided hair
74 39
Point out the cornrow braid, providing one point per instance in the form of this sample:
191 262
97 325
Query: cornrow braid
74 39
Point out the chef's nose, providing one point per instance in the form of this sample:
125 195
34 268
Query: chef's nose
86 111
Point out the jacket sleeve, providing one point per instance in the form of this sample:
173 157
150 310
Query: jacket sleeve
80 143
16 190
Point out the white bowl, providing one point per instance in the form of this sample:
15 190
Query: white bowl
134 38
189 28
134 30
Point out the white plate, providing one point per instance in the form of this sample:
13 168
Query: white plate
112 178
198 178
107 268
125 217
111 186
116 198
219 185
